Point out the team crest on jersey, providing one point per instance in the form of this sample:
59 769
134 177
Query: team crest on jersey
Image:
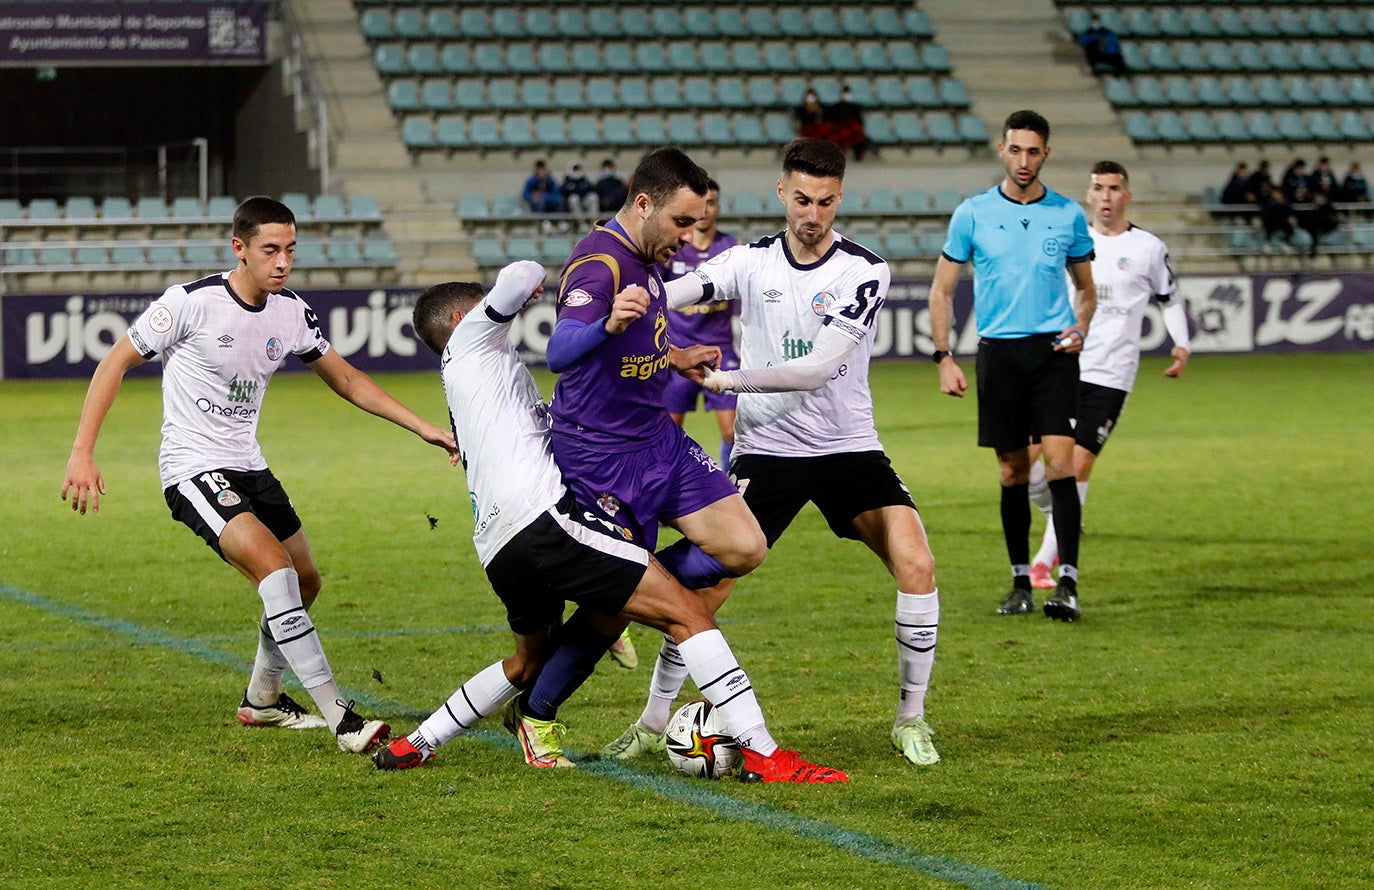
160 320
1051 247
653 287
608 504
820 303
228 499
274 349
578 297
1123 263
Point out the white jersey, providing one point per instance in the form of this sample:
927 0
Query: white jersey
783 305
218 355
502 427
1129 269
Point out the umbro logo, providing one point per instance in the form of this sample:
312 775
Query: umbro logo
772 296
225 341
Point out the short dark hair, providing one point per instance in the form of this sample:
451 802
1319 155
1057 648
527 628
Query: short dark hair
663 171
257 212
815 157
1026 119
1112 167
435 307
712 185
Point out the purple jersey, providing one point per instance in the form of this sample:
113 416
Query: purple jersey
709 322
615 393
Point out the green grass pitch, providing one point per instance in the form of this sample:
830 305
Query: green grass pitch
1207 724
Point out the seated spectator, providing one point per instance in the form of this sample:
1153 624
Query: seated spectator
810 117
1294 182
1322 177
578 195
1237 189
846 119
611 190
1259 179
1275 215
541 192
1321 219
1353 188
1102 49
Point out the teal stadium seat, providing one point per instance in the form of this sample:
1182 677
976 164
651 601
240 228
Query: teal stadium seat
1331 93
1200 127
1261 127
187 208
299 204
634 93
730 24
1241 92
404 95
792 22
1323 127
484 132
436 94
1230 23
390 59
1262 24
451 131
221 207
841 57
488 251
502 94
780 58
116 208
1311 58
1200 24
1210 92
698 92
914 200
855 22
1292 128
1170 127
973 129
345 253
941 128
507 204
731 93
1270 92
1149 92
887 23
889 91
1140 129
698 22
666 93
1361 92
747 58
668 21
47 209
682 57
576 24
551 130
1178 91
523 58
79 207
1302 93
944 200
569 95
1140 24
882 200
505 22
1349 24
746 203
410 24
763 92
823 21
1280 57
583 130
906 127
379 251
683 129
553 58
536 93
131 256
522 247
443 23
376 24
878 129
761 22
715 57
648 130
487 58
904 57
203 256
517 132
364 208
748 131
1249 57
634 22
953 93
470 94
916 23
147 207
423 58
1353 128
616 129
472 205
861 90
778 127
901 245
714 129
456 58
1221 59
474 23
92 256
1231 127
935 57
1119 93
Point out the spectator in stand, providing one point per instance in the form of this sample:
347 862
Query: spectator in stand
1102 49
810 117
1237 188
1321 219
1323 177
579 196
1353 188
1275 215
846 119
1259 179
541 191
611 190
1294 182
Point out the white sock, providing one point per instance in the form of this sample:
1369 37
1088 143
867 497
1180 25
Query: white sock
264 686
1049 546
670 672
1040 489
917 623
726 686
481 696
295 636
1083 493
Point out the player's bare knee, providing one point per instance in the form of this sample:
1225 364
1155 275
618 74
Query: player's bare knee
522 669
916 573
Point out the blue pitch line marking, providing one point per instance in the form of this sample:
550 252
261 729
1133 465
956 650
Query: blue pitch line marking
693 793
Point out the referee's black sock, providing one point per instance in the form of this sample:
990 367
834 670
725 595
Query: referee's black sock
1016 525
1068 519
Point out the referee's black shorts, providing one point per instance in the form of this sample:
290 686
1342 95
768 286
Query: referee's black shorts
842 486
1026 389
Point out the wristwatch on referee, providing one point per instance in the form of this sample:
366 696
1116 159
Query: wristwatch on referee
939 355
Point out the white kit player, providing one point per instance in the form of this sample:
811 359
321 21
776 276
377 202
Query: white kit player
1131 268
540 549
222 338
809 301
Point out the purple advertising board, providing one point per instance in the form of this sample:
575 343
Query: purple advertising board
60 335
133 33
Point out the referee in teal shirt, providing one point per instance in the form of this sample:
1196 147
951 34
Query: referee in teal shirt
1021 237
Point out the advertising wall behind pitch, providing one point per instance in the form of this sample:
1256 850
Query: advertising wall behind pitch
49 336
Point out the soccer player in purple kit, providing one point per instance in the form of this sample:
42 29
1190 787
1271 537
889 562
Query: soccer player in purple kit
709 323
618 449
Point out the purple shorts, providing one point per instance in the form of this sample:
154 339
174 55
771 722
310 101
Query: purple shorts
637 485
680 397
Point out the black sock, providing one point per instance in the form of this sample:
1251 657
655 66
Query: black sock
1068 518
1016 526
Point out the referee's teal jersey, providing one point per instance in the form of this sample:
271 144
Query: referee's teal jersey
1019 254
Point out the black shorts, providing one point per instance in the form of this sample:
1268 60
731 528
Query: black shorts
208 501
565 554
1025 390
840 485
1099 408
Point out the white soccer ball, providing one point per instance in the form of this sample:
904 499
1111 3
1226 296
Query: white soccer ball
698 744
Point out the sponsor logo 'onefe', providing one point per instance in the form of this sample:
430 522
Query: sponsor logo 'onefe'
208 407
